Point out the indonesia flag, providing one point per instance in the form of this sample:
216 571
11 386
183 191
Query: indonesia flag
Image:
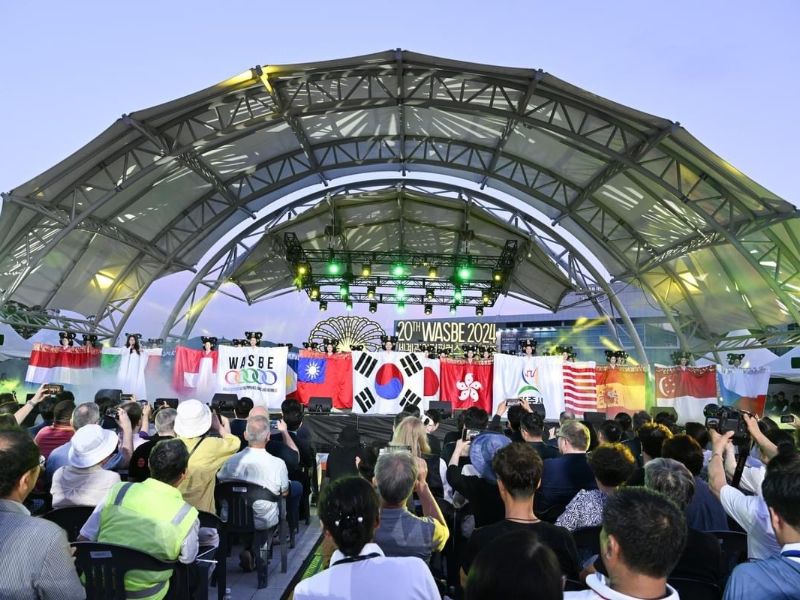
687 390
57 364
744 388
580 381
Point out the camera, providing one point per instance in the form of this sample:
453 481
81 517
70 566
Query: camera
723 419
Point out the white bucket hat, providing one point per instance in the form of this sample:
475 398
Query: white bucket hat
193 419
90 445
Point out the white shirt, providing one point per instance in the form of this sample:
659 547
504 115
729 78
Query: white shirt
751 513
256 465
598 589
81 487
387 578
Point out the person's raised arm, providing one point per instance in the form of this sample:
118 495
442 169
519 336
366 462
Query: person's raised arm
430 508
716 470
287 437
768 449
23 412
126 446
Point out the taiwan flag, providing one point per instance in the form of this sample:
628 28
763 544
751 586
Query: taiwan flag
322 376
466 384
387 382
687 390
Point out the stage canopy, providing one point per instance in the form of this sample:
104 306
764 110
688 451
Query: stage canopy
161 187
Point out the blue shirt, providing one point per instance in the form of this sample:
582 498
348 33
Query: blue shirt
705 512
775 578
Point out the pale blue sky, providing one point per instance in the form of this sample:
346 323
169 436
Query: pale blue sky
726 70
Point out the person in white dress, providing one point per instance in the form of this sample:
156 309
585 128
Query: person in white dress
206 378
130 376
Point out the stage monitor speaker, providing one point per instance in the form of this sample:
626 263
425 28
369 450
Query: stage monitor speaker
595 418
445 408
320 404
225 404
670 410
112 394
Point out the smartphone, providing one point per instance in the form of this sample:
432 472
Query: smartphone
53 388
470 434
787 418
513 402
273 424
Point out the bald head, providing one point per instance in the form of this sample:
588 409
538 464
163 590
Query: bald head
258 411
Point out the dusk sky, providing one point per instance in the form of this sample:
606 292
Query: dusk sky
726 70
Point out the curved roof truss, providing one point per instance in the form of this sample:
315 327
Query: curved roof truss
154 192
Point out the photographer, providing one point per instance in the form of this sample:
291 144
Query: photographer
751 476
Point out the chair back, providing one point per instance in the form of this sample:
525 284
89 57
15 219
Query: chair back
104 567
695 589
70 519
239 497
220 578
733 545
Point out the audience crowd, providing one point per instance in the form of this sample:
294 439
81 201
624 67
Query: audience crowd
505 506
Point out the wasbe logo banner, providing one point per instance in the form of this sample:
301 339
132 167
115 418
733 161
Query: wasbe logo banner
258 373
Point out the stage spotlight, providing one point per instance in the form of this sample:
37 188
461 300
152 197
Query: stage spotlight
401 307
428 309
497 276
323 305
373 307
464 272
398 270
371 292
399 292
344 290
486 298
458 295
429 294
314 293
348 305
366 270
452 309
303 269
432 272
478 311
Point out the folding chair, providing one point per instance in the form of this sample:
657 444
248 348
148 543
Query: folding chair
220 575
239 497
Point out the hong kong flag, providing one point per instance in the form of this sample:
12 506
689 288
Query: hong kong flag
465 384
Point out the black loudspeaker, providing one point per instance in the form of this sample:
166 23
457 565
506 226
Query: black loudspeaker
443 407
224 404
595 418
320 405
114 395
655 410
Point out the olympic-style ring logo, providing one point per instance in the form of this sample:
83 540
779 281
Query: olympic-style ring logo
254 376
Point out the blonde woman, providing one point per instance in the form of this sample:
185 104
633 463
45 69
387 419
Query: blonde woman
412 433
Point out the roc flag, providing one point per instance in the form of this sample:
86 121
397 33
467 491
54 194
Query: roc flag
324 376
580 382
620 389
687 390
432 387
57 364
537 378
386 382
467 384
744 388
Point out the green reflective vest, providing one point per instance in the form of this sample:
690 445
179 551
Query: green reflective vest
151 517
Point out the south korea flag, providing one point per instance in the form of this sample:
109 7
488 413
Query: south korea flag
384 383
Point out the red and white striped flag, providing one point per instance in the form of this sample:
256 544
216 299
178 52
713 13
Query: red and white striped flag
580 382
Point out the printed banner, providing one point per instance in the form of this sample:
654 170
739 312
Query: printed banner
467 384
580 383
744 388
258 373
687 390
323 376
621 389
537 378
60 364
385 382
291 375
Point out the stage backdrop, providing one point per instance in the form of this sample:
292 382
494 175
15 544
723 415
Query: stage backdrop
385 382
258 373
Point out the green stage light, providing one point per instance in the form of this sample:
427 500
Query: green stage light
464 272
399 292
344 290
401 307
458 295
398 270
334 268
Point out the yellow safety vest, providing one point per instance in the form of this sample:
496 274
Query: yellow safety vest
151 517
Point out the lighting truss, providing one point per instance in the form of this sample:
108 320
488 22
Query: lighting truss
479 279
